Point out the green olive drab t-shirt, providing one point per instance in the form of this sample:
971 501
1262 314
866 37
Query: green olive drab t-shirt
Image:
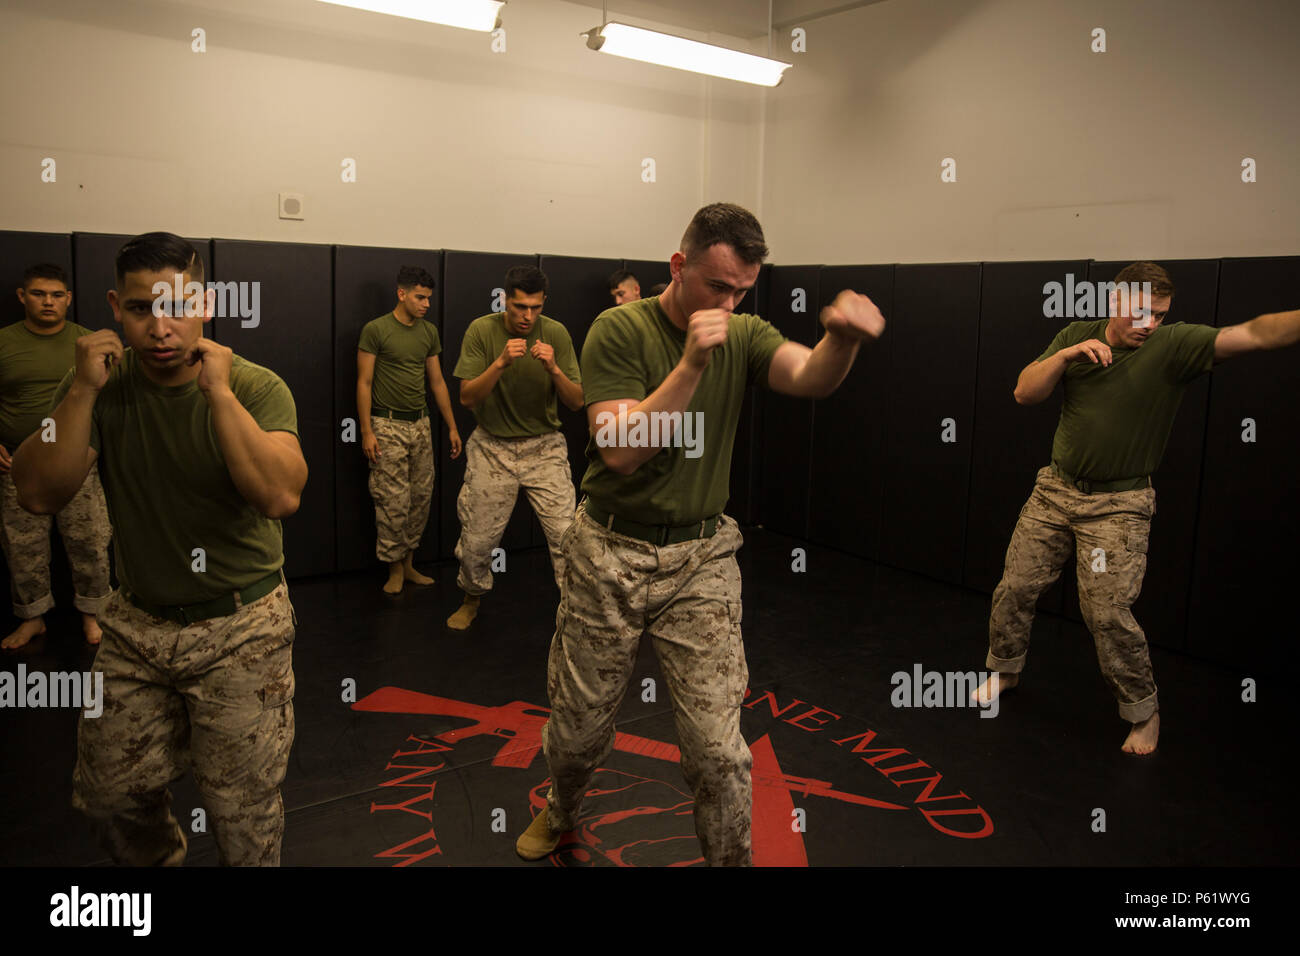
31 368
400 352
1116 419
169 490
522 403
628 353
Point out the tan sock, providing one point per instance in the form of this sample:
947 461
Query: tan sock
465 614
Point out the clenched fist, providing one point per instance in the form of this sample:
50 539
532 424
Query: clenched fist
96 355
705 331
515 348
544 354
216 361
1094 350
853 316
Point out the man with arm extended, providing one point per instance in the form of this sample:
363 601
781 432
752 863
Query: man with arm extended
396 354
513 366
649 549
199 456
1124 379
34 356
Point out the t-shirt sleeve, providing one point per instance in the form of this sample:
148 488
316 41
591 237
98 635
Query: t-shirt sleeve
565 357
473 360
435 343
612 366
1192 349
61 392
1063 338
268 400
370 339
764 340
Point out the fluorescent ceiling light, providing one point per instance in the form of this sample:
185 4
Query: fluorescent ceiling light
665 50
469 14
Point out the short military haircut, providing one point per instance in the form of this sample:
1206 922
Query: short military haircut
44 270
1139 272
527 279
727 223
158 252
408 277
620 276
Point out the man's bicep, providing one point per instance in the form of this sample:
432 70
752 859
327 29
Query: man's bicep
786 362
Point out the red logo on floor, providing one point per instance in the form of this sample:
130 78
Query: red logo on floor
662 820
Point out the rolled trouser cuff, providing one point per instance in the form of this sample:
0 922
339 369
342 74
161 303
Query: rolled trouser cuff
1005 665
26 612
90 605
1139 711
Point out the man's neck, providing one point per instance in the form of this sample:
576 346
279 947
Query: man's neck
44 329
400 315
178 375
668 302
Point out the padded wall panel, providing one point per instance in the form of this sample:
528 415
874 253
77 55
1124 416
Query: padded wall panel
468 281
1245 568
931 400
788 422
1011 441
849 449
293 336
365 287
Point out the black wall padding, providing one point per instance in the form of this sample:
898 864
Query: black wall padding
788 422
849 438
579 293
365 287
648 272
18 250
1011 441
1242 606
933 348
294 337
468 281
1161 609
93 256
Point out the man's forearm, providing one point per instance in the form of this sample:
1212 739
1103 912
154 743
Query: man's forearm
672 395
569 391
826 366
268 474
47 475
474 390
1276 330
1037 380
363 407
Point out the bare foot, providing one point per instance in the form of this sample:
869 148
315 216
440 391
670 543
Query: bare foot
992 688
412 575
1142 738
91 628
24 633
395 578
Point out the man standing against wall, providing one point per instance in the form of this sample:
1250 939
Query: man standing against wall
513 365
397 352
200 459
624 287
650 550
35 354
1124 379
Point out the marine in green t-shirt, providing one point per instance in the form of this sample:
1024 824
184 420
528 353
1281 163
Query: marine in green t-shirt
649 549
513 366
201 460
34 355
397 353
1124 378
